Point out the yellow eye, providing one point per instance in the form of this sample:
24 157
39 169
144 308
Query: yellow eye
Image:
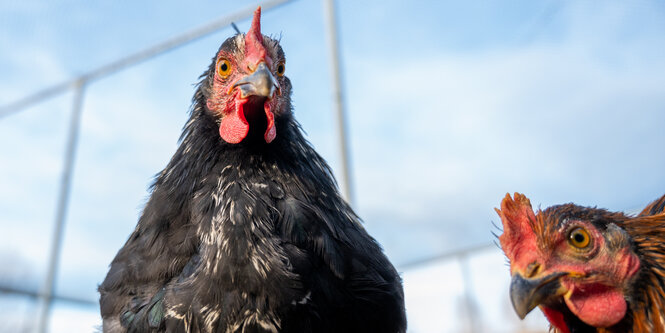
223 68
281 68
579 238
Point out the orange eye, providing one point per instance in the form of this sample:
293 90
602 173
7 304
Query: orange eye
579 238
281 68
223 68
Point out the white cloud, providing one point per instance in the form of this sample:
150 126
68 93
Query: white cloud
67 319
447 135
437 299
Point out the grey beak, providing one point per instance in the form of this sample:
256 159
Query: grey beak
526 294
260 83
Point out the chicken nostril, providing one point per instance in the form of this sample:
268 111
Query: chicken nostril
532 269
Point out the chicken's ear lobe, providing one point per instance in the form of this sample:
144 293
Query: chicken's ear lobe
517 218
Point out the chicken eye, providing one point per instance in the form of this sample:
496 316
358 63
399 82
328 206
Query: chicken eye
579 238
223 68
281 68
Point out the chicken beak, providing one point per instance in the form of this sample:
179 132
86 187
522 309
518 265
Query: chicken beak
527 293
260 83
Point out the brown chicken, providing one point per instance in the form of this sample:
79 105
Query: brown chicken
588 269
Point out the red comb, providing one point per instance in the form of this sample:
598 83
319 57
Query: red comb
254 49
516 215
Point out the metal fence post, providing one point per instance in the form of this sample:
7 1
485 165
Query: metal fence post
61 208
468 297
338 98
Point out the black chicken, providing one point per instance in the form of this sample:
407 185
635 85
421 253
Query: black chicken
245 230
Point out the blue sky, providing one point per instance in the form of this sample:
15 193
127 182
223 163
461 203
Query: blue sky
451 104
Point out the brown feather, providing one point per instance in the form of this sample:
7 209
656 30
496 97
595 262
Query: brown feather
648 234
646 294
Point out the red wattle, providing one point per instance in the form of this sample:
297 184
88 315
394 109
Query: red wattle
234 126
271 132
556 319
597 305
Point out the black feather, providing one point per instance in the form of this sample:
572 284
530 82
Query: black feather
251 237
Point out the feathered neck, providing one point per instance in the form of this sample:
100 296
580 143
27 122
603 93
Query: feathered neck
201 149
648 306
646 296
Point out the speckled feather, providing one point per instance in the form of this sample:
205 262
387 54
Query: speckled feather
249 237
